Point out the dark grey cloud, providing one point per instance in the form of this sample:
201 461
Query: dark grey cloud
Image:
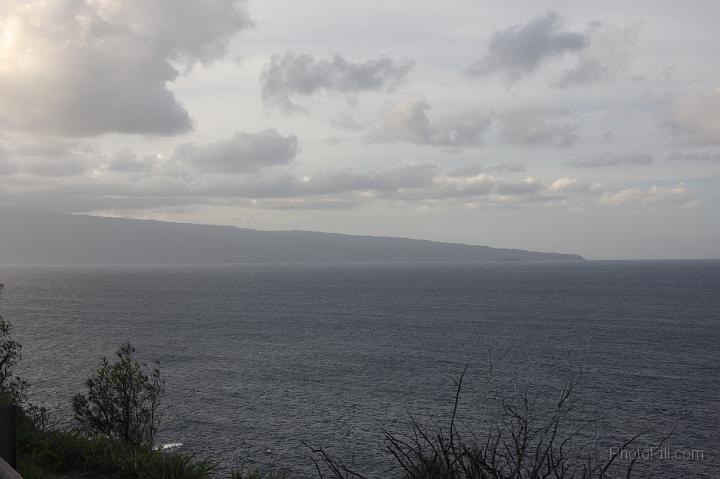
289 76
599 52
520 49
99 67
537 126
603 160
704 156
408 122
243 153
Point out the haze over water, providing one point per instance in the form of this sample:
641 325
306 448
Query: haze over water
259 358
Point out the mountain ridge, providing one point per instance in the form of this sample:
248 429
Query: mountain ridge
43 237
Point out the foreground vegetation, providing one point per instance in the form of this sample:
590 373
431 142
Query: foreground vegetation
116 421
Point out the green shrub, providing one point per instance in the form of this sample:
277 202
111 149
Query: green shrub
152 464
12 388
120 413
122 400
63 453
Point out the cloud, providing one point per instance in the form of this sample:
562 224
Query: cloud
300 204
474 170
529 186
537 126
487 190
291 75
603 160
176 181
426 183
127 161
705 156
520 49
243 153
6 167
695 119
80 67
572 185
345 121
606 54
193 166
517 52
408 176
508 167
655 195
408 122
40 157
333 140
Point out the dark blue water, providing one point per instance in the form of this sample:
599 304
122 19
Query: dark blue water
259 358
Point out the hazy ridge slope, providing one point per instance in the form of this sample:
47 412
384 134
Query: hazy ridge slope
37 237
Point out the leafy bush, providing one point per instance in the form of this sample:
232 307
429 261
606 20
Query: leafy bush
122 400
120 410
12 388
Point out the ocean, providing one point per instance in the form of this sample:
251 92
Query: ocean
263 360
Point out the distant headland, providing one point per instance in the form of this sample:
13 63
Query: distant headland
41 237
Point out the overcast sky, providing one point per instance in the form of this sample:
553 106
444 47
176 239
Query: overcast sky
583 127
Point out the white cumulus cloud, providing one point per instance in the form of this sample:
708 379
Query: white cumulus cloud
88 67
655 195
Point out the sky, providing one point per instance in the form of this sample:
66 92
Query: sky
578 127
